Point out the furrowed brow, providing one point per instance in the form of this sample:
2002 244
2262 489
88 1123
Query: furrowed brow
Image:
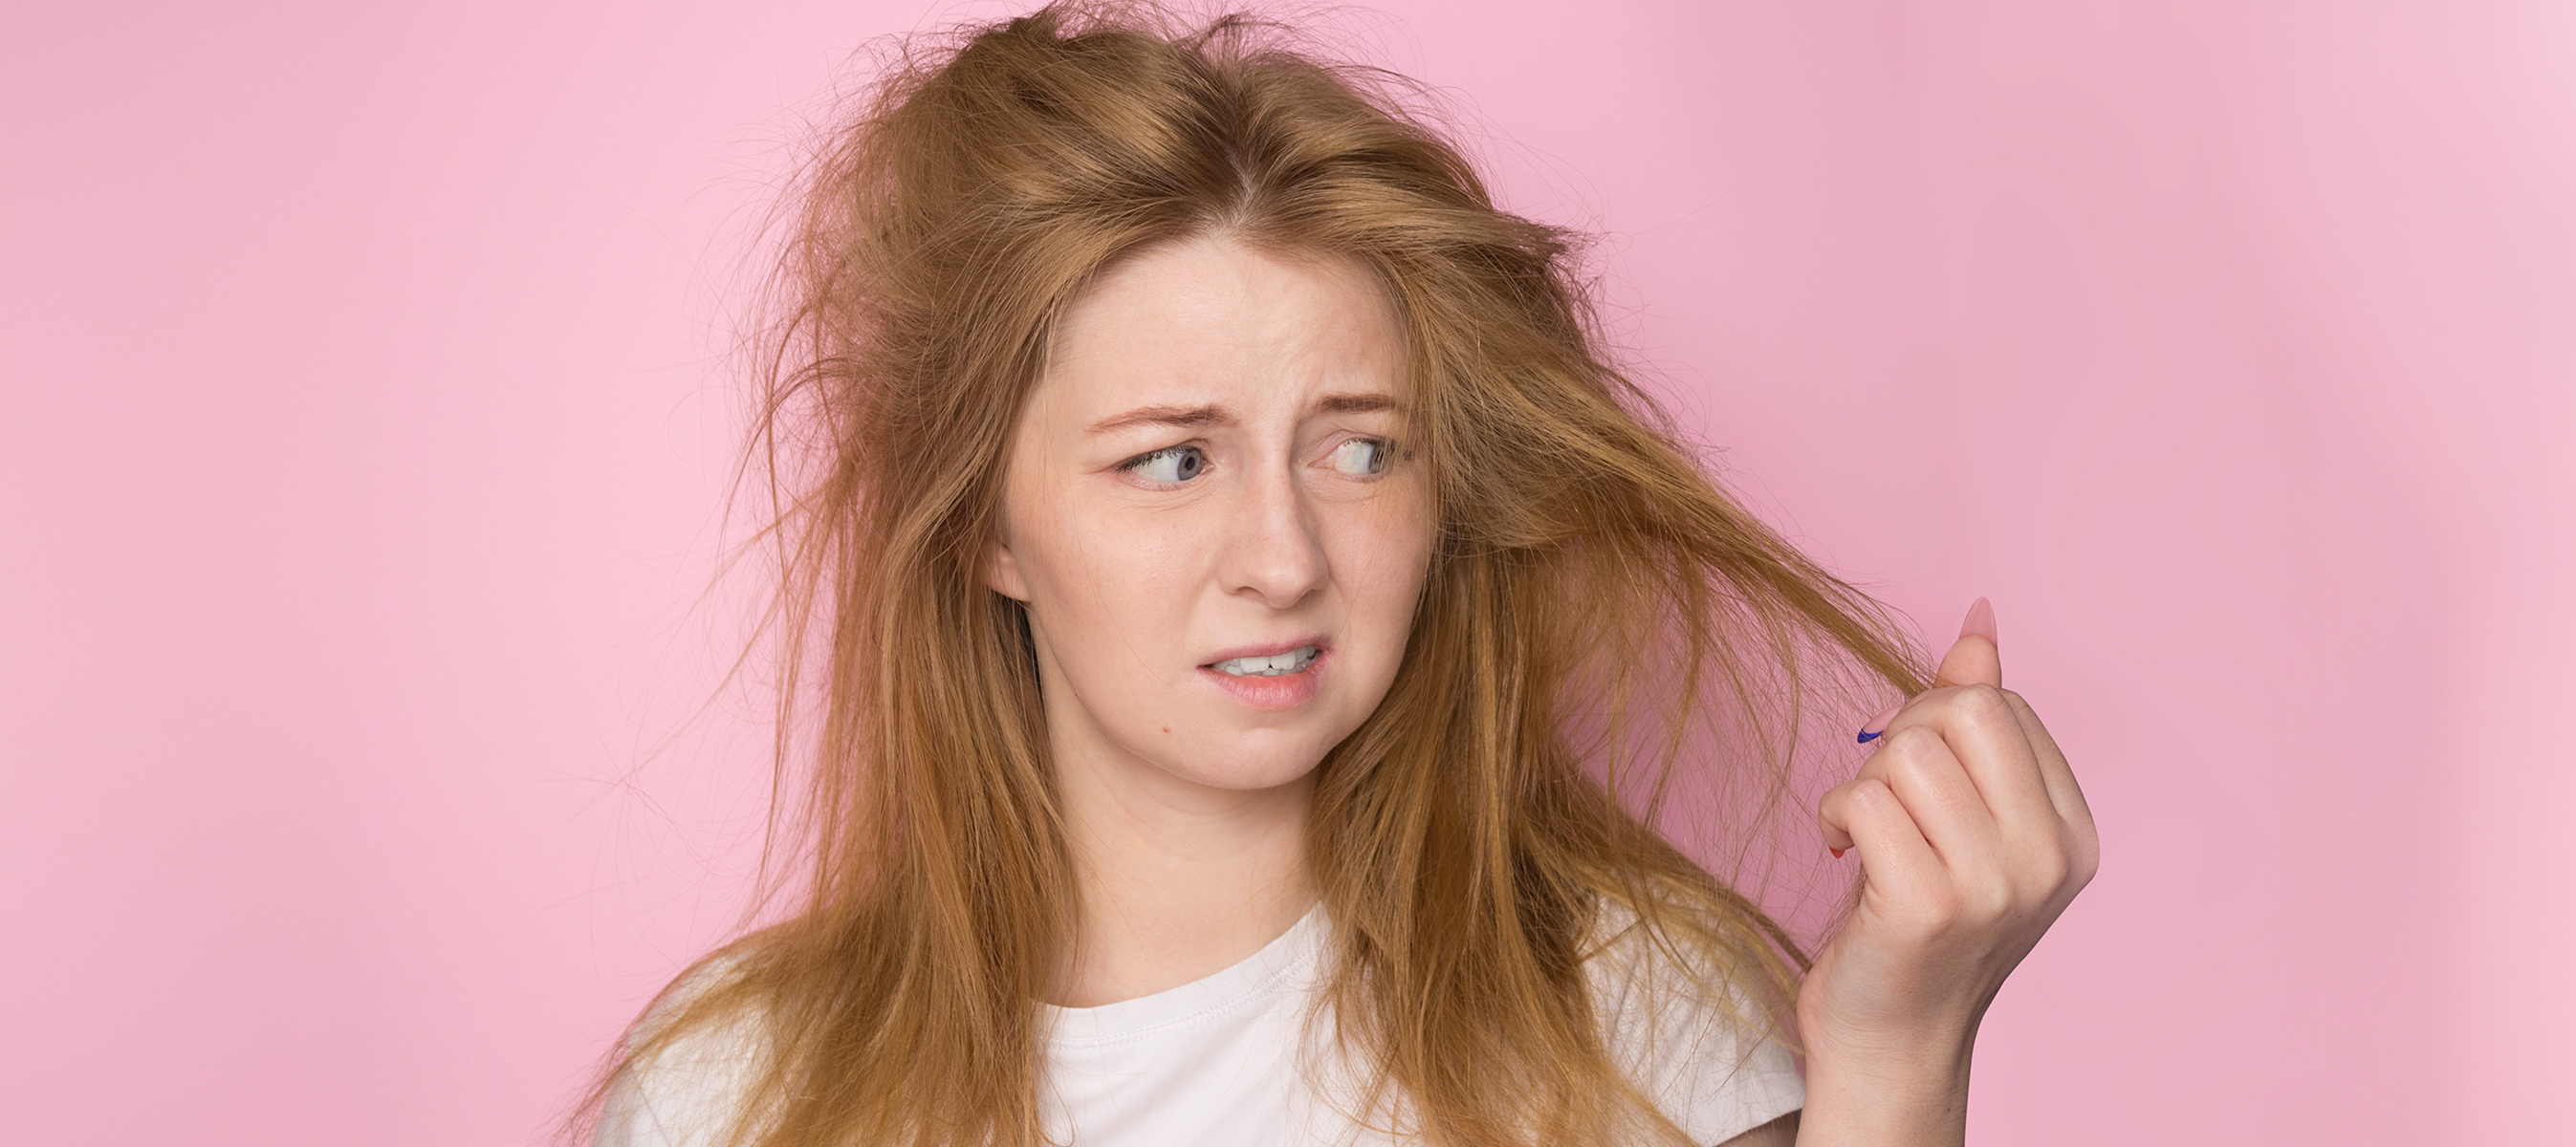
1357 404
1185 417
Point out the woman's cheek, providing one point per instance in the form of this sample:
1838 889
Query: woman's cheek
1381 553
1389 544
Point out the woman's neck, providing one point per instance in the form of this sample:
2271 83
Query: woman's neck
1177 881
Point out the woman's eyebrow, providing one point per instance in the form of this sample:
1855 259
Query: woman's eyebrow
1194 417
1356 404
1190 417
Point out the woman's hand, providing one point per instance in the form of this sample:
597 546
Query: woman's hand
1972 837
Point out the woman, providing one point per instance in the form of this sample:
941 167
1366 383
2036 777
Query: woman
1237 587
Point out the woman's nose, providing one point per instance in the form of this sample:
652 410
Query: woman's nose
1274 552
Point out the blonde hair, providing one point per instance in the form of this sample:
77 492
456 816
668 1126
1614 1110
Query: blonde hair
1468 838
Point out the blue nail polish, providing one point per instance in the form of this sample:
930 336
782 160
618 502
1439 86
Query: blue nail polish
1866 738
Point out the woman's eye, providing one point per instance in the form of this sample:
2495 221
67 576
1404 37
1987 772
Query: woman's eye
1170 464
1364 457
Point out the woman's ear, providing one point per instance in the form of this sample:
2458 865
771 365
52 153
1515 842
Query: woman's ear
1002 570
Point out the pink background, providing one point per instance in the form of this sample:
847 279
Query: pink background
362 428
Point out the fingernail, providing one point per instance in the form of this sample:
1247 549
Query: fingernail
1878 724
1838 853
1981 621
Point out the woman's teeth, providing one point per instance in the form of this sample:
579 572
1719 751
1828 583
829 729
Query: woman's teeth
1271 666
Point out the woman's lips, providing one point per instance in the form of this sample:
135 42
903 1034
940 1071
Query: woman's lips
1272 692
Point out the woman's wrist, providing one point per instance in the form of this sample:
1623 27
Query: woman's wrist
1910 1093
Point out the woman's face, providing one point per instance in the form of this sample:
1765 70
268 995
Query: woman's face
1210 517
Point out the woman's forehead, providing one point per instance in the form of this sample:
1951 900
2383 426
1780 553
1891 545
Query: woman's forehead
1214 322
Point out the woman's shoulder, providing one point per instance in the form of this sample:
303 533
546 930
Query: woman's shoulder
689 1061
1691 1023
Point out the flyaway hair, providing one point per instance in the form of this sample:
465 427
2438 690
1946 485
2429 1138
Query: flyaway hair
1590 589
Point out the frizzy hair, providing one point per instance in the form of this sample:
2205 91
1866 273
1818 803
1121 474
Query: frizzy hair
1469 839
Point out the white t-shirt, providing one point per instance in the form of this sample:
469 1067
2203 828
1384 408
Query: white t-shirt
1231 1059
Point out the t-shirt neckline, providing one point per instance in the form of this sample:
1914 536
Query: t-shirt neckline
1255 977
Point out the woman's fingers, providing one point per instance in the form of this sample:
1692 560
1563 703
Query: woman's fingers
2065 796
1976 657
1917 765
1961 863
1986 734
1979 777
1983 727
1866 814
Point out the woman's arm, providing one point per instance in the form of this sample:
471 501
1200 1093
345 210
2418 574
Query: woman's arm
1973 837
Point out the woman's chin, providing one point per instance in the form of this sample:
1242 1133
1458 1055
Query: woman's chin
1250 760
1254 776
